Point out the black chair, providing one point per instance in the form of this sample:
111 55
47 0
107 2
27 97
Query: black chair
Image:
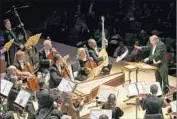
153 116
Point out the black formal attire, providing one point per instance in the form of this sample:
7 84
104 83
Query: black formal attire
45 105
152 105
94 54
55 76
44 62
7 115
18 65
13 93
9 35
12 96
116 112
82 74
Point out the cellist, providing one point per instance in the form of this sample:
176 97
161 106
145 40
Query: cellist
57 71
45 55
82 59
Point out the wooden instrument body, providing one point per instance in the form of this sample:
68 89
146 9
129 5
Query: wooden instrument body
50 56
52 53
90 64
65 73
33 81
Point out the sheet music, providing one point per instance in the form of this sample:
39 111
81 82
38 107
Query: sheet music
6 86
104 92
66 85
119 58
144 66
147 89
140 87
22 98
173 106
131 89
95 114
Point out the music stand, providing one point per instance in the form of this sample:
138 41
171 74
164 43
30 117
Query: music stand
138 66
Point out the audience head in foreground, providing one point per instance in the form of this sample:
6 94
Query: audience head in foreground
103 116
154 89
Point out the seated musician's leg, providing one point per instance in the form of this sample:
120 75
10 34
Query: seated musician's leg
11 98
31 111
107 69
8 115
80 77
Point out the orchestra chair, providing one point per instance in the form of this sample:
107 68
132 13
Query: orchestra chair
153 116
74 68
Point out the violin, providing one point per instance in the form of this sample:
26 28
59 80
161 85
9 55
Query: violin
51 55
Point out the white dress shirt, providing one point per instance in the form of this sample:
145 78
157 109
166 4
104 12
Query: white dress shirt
47 52
22 64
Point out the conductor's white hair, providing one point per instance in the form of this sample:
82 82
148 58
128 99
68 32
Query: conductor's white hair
155 37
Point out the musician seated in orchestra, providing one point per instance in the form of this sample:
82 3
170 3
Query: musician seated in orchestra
121 51
20 62
55 71
44 56
135 54
46 107
14 75
83 70
6 115
169 111
111 105
71 107
152 104
94 51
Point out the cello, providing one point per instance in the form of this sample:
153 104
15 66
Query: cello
90 63
65 70
33 81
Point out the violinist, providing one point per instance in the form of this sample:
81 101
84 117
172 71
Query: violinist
55 71
112 105
46 107
14 75
93 52
81 60
153 104
43 55
70 108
